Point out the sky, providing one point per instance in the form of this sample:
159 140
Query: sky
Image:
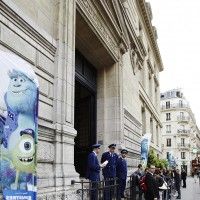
178 27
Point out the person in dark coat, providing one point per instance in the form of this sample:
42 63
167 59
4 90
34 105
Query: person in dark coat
183 177
159 182
93 170
152 189
109 171
177 179
139 173
135 186
121 172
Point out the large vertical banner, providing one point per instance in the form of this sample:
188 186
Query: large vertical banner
145 143
18 128
171 160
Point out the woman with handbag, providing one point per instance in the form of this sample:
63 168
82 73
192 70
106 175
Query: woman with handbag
160 183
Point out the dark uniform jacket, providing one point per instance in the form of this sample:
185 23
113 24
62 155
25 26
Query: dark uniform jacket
93 167
152 188
110 170
183 175
121 168
177 179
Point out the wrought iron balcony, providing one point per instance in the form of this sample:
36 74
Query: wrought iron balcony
185 146
174 106
185 119
183 132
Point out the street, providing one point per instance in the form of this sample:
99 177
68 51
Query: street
192 192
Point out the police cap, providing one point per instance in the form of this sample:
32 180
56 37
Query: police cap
112 146
95 146
124 151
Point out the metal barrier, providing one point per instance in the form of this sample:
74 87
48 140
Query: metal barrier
98 190
108 189
132 191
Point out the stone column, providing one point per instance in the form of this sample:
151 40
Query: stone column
64 95
109 104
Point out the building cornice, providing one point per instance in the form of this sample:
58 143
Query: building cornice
147 22
135 41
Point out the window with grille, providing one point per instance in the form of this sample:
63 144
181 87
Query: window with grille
169 142
182 155
168 128
182 142
167 104
168 116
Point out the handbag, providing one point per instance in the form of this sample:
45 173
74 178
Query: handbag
164 186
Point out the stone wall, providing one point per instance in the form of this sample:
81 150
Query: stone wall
44 33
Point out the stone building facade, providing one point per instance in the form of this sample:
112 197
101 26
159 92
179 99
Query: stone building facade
98 66
180 132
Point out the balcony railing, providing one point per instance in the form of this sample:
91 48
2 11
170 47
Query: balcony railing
183 118
174 106
183 132
183 146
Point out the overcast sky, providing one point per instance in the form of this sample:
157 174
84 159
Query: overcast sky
178 27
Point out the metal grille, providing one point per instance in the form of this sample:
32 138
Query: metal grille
98 190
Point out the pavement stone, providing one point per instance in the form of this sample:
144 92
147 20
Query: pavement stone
192 191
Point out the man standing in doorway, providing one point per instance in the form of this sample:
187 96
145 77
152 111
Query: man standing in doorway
121 170
109 171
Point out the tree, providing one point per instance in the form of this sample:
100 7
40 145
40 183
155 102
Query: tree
154 160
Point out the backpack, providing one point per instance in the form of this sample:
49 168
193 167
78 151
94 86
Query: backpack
142 183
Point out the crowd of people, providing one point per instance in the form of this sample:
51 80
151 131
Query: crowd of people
160 184
149 184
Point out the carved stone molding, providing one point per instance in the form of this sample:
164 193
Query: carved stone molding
145 13
94 19
156 80
135 121
136 59
150 66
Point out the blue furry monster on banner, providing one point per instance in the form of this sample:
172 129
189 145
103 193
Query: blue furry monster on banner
171 160
145 143
18 128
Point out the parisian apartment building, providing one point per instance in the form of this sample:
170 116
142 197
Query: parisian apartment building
180 133
98 66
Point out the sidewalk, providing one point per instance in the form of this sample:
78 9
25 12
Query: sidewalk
192 192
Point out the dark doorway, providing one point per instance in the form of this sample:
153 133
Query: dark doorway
85 112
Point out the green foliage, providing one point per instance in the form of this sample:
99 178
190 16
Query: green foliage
154 160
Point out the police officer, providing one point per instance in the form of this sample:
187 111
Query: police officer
121 172
109 171
93 170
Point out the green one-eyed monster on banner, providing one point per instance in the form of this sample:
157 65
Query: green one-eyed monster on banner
18 128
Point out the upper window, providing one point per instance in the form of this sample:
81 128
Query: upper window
169 142
168 128
180 103
168 116
167 104
182 141
182 155
178 94
181 114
